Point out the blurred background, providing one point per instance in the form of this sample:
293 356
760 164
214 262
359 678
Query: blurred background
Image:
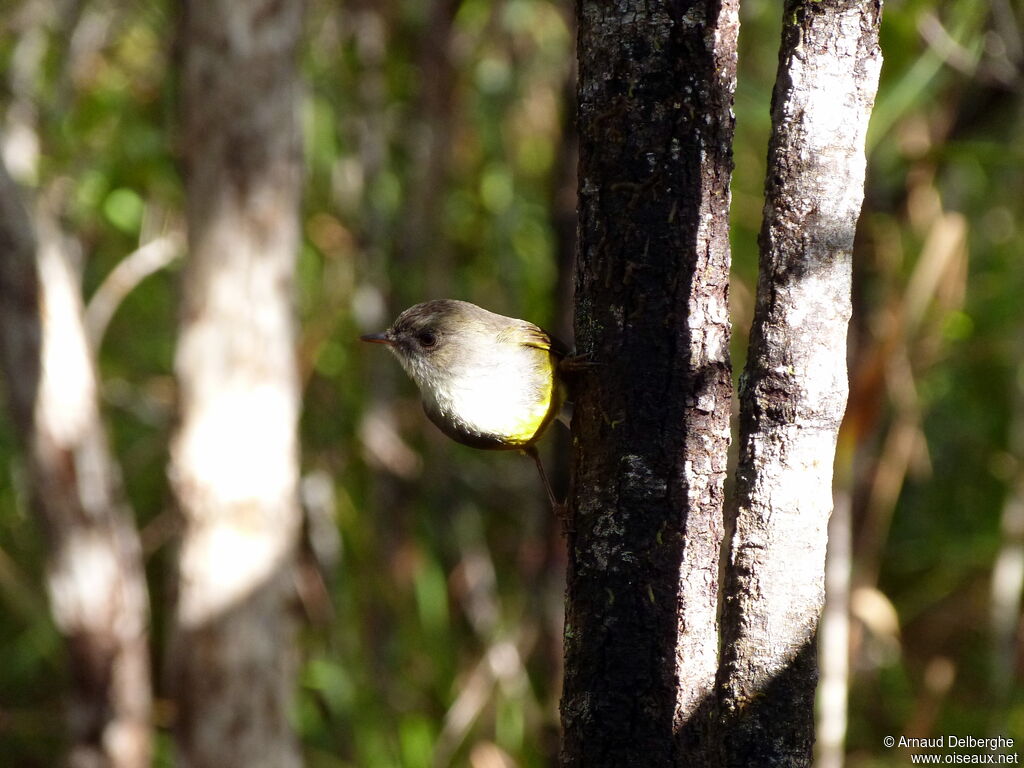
440 162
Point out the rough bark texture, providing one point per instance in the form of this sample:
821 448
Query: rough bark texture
94 575
234 458
795 385
651 427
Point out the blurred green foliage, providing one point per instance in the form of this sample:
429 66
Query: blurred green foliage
435 148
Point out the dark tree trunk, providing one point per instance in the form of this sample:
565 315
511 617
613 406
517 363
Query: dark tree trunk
795 383
651 428
234 457
94 574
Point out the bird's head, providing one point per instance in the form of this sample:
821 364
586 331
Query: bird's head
434 340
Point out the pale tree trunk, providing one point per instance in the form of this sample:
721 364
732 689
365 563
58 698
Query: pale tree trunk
795 383
834 639
94 574
1006 624
651 426
234 457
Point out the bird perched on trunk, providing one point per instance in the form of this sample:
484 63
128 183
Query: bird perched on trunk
486 380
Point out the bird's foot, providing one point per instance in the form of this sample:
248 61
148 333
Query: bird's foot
561 510
577 364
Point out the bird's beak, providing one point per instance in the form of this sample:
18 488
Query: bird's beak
377 338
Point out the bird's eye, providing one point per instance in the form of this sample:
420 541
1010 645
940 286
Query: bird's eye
427 339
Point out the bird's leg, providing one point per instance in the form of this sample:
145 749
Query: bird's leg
560 509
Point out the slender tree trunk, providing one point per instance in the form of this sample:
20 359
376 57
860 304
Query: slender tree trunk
834 646
95 578
795 387
1006 623
651 429
234 458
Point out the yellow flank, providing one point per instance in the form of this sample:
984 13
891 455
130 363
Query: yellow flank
512 402
523 429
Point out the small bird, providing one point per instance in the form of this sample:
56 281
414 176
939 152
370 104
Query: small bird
486 380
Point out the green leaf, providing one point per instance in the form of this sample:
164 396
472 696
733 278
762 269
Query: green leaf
123 208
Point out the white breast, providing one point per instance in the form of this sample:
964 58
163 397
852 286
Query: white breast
506 395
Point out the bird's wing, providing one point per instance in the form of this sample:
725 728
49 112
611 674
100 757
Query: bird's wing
529 335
